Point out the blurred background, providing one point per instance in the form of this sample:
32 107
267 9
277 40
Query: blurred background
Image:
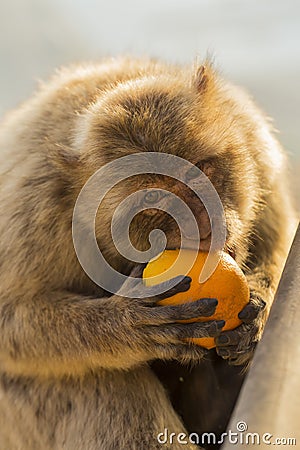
255 43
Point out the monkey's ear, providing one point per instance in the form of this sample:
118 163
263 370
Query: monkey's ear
202 78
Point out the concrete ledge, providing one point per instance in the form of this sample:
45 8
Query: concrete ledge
269 401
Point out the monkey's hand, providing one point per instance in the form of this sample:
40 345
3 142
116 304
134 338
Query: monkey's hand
238 345
67 333
155 327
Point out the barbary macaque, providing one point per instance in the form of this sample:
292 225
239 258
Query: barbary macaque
81 368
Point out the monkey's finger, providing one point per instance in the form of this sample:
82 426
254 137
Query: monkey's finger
231 337
236 336
228 338
212 329
158 315
227 352
133 285
204 307
167 288
256 299
177 332
234 356
182 286
251 311
242 357
151 294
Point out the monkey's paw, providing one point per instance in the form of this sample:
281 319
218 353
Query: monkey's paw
238 345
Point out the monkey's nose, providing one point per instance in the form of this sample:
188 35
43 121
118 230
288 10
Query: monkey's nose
200 245
202 232
205 243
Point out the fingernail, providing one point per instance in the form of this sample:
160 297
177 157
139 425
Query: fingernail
223 339
243 315
187 279
223 352
220 323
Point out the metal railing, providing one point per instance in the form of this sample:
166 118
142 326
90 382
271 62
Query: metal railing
269 402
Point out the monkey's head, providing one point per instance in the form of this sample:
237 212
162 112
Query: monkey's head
198 119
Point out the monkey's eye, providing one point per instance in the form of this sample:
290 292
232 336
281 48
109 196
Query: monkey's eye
152 197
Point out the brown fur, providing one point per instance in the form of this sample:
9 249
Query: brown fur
75 370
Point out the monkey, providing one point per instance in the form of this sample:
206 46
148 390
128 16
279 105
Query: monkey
82 368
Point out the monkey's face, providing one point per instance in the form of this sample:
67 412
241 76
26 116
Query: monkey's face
153 205
161 208
158 117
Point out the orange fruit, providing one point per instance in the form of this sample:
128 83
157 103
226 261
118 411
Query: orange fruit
227 284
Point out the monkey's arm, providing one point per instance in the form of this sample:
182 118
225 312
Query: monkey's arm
63 333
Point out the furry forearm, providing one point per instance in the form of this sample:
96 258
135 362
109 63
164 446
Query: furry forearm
63 333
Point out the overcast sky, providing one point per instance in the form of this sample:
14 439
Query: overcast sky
255 43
